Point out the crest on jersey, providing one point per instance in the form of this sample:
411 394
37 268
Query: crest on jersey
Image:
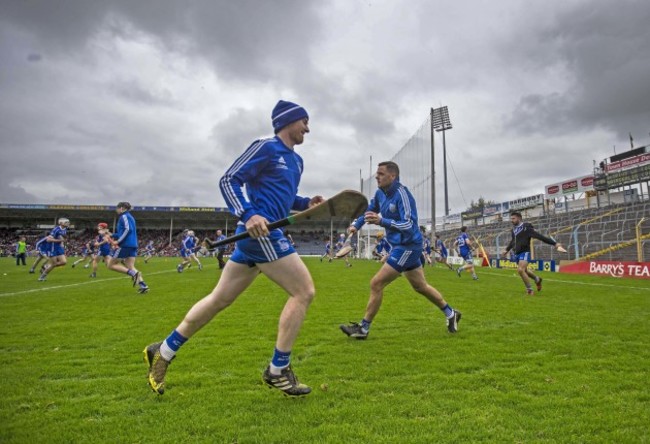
392 207
284 244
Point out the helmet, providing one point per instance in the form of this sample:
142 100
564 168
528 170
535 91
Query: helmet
190 233
64 221
102 226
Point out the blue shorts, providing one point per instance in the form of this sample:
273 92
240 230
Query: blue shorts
428 251
468 257
261 250
103 252
444 253
186 252
124 252
402 259
44 251
521 257
56 250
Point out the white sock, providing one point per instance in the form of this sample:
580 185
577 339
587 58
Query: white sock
166 352
276 371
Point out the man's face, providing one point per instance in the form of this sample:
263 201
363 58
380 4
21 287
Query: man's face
119 210
515 220
296 130
218 232
384 178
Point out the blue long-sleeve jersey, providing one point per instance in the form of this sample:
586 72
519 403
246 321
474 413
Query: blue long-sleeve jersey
398 216
271 173
126 235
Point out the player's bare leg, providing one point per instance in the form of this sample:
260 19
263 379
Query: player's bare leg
54 262
292 275
379 281
234 280
522 269
196 259
36 262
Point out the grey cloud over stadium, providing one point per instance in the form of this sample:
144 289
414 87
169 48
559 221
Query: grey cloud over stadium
150 101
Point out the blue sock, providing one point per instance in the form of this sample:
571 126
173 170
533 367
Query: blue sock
280 359
175 340
447 310
365 324
131 273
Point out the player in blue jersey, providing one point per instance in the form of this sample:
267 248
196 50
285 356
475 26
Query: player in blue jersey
393 208
221 250
42 248
464 246
270 171
382 249
125 247
328 251
56 253
426 247
149 251
442 253
337 247
87 254
188 244
102 247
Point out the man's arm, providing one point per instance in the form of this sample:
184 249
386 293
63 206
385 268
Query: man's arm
539 236
373 206
511 245
127 229
246 167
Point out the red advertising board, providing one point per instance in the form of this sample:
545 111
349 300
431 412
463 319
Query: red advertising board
639 270
632 162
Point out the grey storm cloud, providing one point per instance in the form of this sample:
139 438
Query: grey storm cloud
605 46
153 100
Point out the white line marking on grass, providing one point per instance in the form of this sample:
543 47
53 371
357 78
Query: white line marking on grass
593 284
78 284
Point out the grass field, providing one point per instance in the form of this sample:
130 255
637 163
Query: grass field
569 365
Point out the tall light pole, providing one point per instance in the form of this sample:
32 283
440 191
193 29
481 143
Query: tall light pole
441 123
433 183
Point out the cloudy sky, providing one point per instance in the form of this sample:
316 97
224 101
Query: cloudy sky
150 101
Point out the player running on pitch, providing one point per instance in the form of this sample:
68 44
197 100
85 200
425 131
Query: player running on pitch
522 233
328 251
125 247
426 246
43 248
382 249
464 245
337 247
102 248
57 251
149 251
87 254
441 250
221 250
187 252
393 208
270 170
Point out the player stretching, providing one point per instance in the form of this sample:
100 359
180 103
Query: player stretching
149 251
43 248
393 207
522 233
87 254
102 246
221 250
465 250
187 252
270 170
441 249
57 251
125 243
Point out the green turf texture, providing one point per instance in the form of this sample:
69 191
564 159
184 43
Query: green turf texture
567 365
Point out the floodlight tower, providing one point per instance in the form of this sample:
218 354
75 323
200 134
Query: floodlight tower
440 123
